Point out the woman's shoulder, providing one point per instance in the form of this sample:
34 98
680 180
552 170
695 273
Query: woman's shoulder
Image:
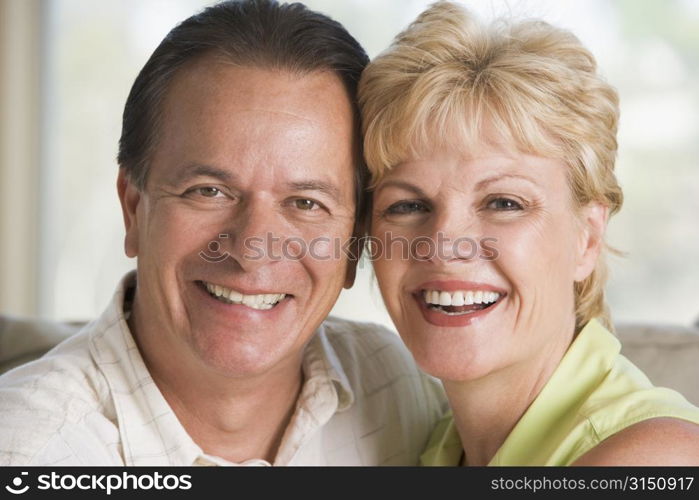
613 407
658 441
635 422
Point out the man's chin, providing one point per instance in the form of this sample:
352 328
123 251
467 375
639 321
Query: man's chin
240 354
236 340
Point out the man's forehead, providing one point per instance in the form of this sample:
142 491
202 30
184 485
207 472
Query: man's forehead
259 87
283 127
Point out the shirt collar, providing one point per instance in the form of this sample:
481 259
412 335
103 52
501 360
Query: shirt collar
150 432
321 360
326 390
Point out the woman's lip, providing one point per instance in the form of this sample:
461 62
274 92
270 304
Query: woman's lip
437 318
457 285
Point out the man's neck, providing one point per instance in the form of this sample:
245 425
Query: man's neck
233 418
247 421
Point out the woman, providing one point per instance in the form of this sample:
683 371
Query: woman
494 148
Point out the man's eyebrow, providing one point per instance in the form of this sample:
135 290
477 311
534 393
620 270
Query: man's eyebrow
316 185
199 170
497 177
401 185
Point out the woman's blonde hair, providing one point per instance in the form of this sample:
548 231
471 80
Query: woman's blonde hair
447 76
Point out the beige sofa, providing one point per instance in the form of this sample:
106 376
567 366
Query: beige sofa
669 355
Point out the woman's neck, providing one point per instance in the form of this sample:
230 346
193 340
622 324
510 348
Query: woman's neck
487 409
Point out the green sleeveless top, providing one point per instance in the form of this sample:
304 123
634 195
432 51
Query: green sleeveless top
593 393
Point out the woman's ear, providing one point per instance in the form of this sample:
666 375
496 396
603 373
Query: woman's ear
129 196
593 223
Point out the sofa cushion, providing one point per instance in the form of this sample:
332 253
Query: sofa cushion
22 339
669 355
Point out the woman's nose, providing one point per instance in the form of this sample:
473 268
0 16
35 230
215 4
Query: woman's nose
453 235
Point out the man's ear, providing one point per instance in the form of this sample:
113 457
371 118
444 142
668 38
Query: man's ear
129 196
355 249
593 223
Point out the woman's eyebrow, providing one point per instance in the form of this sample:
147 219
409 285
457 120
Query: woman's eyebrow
483 183
401 185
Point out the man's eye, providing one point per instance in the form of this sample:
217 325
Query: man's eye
305 204
504 205
203 192
208 191
407 208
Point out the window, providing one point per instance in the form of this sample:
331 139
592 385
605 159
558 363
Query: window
648 50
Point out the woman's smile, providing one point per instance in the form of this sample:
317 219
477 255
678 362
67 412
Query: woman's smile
456 303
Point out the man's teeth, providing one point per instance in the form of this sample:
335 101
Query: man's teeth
262 301
460 298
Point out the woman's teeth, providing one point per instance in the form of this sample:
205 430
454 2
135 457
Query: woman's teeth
460 302
262 301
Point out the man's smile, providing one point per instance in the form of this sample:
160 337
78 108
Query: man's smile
259 301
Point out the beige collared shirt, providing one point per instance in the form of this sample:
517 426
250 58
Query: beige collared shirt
92 401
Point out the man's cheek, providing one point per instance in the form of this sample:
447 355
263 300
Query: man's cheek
321 249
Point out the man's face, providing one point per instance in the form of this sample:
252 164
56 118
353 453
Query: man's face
256 165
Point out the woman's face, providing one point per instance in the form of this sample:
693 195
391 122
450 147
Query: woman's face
479 256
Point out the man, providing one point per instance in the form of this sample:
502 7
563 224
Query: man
239 171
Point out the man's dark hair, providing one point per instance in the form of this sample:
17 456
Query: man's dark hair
258 33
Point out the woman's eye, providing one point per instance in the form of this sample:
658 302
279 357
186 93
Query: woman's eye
305 204
504 204
407 208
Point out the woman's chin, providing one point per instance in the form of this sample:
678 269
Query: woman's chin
462 353
450 362
453 372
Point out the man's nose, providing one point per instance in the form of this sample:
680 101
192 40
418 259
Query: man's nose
256 235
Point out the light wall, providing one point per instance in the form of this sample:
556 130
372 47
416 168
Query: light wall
66 67
20 97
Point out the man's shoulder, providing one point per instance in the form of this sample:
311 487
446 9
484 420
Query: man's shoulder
375 354
367 338
395 405
363 333
51 395
66 367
